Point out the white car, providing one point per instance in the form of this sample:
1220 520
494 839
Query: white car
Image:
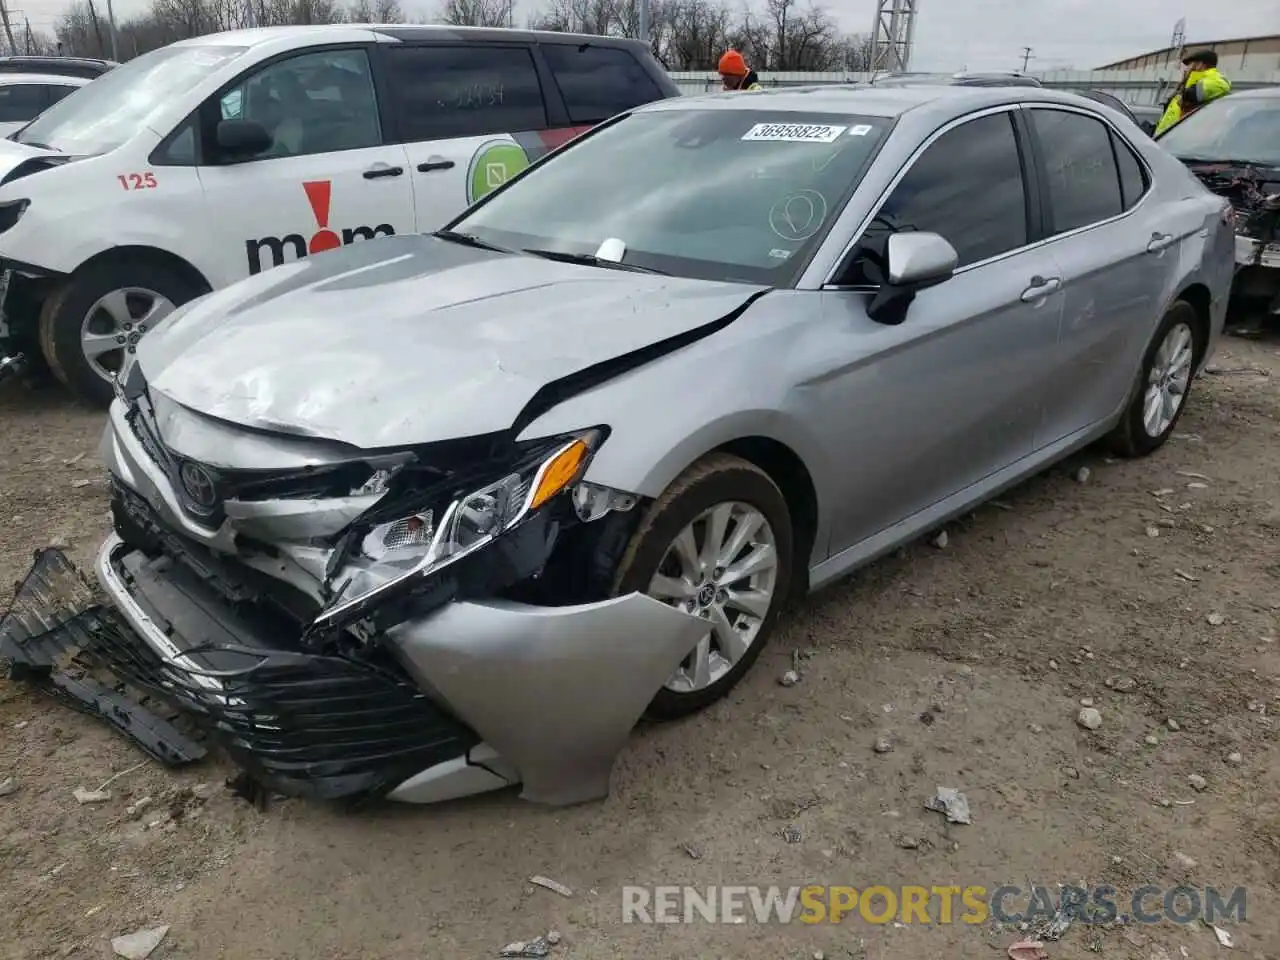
24 96
201 163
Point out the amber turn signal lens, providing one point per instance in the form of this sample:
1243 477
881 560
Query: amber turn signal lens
560 471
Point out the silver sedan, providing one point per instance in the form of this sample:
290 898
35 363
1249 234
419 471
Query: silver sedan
504 489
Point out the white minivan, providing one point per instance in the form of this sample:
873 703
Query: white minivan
212 159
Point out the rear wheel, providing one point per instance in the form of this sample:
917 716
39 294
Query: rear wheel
1164 383
718 545
96 319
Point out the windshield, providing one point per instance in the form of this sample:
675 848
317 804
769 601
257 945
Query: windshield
712 194
1239 129
114 107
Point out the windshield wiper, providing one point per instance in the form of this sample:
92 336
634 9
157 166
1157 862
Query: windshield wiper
591 260
469 240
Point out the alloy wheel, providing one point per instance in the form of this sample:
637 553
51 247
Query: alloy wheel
116 322
722 567
1168 379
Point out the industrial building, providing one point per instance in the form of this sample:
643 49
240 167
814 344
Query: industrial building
1242 55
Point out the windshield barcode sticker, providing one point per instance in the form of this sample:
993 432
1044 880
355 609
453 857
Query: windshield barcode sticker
794 132
861 130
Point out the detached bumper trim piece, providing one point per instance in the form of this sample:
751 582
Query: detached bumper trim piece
309 725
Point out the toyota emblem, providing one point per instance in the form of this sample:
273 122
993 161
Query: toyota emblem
198 485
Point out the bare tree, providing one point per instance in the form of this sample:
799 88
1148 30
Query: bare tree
375 11
478 13
685 34
699 34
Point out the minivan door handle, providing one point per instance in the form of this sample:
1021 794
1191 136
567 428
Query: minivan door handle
436 163
1040 288
1160 241
373 173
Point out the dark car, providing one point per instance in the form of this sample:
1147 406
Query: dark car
58 66
1233 146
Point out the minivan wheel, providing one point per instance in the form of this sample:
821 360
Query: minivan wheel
1164 383
717 544
96 319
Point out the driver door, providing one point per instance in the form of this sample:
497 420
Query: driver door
329 178
954 393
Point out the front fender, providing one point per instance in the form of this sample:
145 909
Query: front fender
668 414
83 208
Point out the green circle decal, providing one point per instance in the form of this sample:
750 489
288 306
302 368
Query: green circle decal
494 164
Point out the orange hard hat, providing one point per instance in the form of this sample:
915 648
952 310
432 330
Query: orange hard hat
732 64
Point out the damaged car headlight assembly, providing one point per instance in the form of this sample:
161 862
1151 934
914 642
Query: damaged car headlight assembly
393 555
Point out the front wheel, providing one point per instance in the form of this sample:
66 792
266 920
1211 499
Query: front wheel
1164 383
88 327
717 544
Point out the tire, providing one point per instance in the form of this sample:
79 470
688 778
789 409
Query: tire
1133 436
65 315
741 491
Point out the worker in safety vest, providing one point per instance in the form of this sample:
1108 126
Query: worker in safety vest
1201 83
735 74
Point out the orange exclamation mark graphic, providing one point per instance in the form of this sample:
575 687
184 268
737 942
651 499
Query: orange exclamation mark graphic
318 195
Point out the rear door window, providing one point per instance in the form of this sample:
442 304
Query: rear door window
599 82
1080 169
442 92
20 102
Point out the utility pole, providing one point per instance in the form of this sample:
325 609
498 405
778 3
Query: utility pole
111 19
27 21
644 21
1026 58
8 29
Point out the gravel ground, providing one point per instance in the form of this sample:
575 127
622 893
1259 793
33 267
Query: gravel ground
1146 587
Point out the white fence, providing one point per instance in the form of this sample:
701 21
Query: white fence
1134 86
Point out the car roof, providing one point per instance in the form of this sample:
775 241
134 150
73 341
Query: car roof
37 59
329 32
868 101
53 79
1257 93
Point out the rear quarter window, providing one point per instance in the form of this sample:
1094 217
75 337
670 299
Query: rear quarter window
599 82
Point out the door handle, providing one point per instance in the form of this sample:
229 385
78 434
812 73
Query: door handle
1040 288
1160 241
376 172
432 165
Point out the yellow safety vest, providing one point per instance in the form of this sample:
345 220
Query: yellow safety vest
1201 87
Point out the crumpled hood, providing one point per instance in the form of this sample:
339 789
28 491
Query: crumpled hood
408 340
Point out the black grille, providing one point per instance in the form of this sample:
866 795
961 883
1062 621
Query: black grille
320 726
45 637
306 725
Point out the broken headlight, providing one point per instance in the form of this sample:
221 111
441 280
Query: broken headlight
392 554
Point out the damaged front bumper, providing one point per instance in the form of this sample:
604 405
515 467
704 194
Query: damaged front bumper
473 697
475 683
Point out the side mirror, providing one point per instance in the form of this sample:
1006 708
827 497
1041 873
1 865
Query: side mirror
915 261
240 139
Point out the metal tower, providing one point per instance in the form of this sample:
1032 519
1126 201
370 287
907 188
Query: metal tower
893 35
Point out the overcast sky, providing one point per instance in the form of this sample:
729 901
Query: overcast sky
965 34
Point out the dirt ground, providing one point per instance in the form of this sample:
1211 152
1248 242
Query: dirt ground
1149 587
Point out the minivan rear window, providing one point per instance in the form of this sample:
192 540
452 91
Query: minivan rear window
599 82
